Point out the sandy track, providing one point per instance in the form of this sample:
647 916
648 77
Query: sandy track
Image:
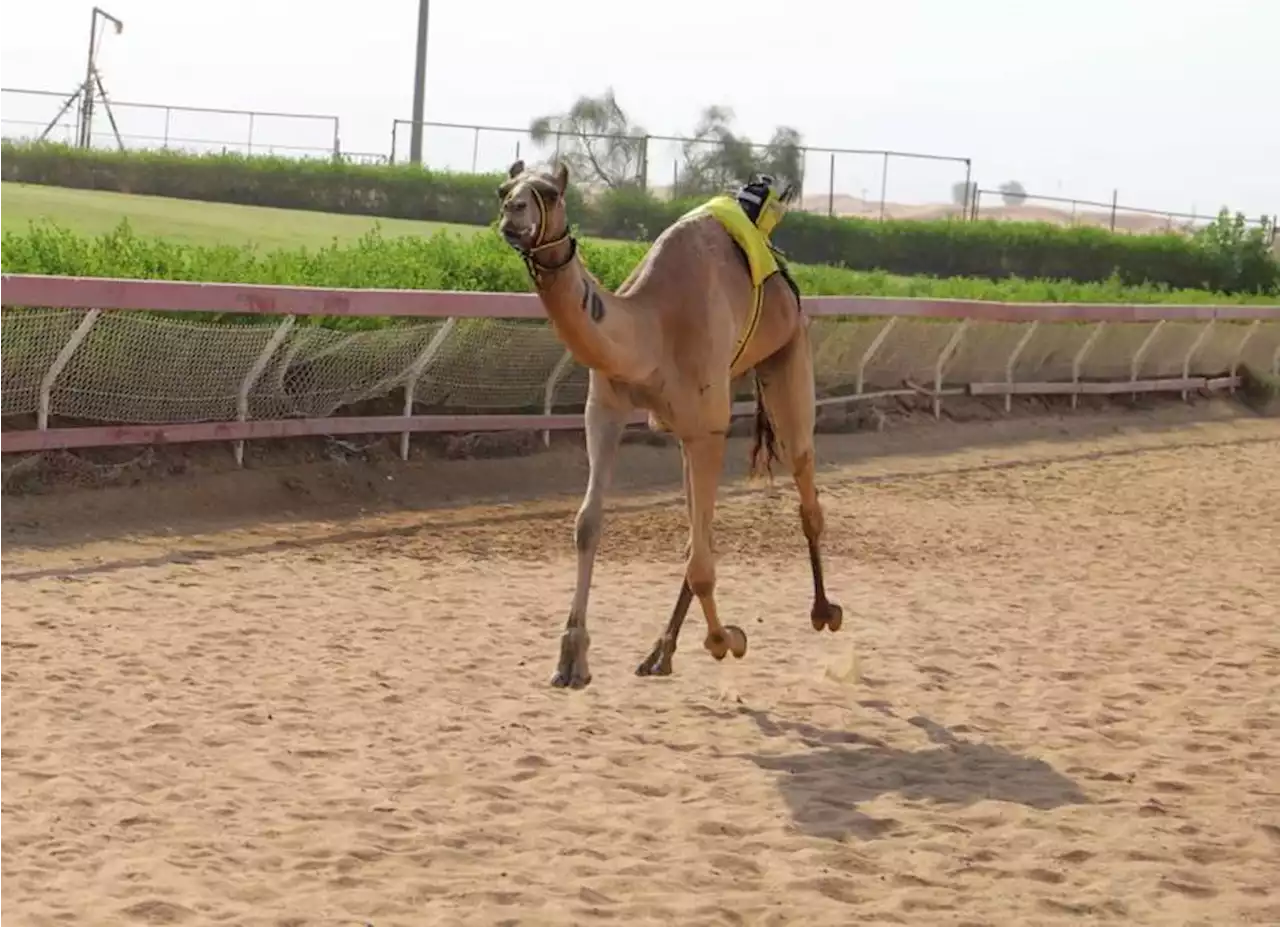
1066 710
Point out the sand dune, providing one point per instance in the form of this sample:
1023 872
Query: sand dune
992 208
1065 708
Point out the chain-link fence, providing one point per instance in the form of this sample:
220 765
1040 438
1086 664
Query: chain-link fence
34 114
866 183
870 183
1017 205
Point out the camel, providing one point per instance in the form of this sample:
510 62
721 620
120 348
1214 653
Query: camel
670 342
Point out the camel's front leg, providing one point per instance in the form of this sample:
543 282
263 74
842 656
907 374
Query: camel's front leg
604 426
704 457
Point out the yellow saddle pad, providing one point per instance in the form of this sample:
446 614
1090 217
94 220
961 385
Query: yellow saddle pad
760 259
740 227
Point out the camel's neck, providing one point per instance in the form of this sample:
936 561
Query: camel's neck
601 330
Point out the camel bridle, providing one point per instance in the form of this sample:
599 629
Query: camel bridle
538 270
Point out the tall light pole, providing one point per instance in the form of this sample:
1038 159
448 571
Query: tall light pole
419 83
91 79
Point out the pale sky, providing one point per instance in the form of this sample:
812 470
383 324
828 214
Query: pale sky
1173 102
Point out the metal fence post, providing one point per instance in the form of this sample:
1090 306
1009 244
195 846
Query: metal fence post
1013 359
251 133
59 363
644 164
549 391
831 187
1191 353
884 184
947 351
416 369
1139 354
1079 359
1239 352
255 372
871 350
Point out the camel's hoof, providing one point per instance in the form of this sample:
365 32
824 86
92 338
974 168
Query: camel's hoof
730 639
657 663
570 680
572 672
717 644
737 640
827 615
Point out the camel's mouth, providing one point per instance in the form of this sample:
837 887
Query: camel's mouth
514 237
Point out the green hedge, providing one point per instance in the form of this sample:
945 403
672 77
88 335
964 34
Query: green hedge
1225 259
483 262
400 191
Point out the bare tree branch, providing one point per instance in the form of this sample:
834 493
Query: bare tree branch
598 141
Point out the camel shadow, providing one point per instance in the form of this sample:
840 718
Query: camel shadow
824 784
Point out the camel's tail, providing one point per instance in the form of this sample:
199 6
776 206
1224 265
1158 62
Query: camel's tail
764 450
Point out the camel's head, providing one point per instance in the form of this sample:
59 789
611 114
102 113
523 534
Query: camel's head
533 215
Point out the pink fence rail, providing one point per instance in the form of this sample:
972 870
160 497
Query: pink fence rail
1181 348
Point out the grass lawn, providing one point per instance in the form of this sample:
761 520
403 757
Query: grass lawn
94 212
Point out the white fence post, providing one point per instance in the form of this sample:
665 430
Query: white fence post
1139 354
255 372
1078 361
874 346
415 373
549 391
1239 353
1191 353
952 343
59 363
1013 359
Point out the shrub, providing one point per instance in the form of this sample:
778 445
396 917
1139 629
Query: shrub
483 262
991 249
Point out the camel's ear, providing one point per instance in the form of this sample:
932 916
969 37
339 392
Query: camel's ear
505 189
561 177
516 169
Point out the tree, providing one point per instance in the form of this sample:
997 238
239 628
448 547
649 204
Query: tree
962 192
596 140
716 158
1013 193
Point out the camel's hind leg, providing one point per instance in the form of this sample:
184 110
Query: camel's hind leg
786 390
658 662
